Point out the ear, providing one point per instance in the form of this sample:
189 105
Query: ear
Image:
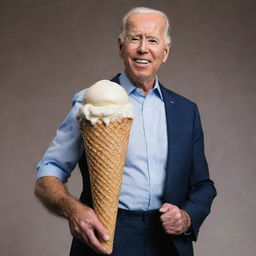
166 52
120 45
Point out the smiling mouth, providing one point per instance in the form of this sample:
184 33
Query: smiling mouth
141 61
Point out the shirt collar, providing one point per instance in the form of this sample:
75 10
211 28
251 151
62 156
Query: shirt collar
130 87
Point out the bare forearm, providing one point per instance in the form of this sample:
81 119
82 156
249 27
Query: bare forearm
83 222
55 197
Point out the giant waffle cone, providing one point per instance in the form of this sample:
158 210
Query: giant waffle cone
106 147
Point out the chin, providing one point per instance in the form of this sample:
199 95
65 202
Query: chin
141 76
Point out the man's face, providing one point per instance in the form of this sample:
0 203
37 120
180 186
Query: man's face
144 49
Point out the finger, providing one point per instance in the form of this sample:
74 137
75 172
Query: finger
173 232
94 243
174 212
166 216
171 214
169 224
80 235
75 231
169 209
101 230
174 228
164 207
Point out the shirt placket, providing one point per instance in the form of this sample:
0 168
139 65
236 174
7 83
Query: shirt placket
147 124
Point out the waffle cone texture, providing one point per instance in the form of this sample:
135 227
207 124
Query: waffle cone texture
105 149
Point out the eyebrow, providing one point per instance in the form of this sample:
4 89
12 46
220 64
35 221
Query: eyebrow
140 35
129 34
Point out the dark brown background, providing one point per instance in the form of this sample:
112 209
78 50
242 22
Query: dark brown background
51 49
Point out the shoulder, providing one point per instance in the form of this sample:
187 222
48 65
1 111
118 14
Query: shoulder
176 98
78 97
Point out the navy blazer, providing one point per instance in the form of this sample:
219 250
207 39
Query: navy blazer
187 177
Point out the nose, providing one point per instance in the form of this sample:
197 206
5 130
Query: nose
142 48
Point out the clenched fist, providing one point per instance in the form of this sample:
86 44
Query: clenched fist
174 220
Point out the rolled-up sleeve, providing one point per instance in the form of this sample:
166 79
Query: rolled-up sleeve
66 148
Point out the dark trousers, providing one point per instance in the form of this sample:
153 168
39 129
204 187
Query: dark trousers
137 234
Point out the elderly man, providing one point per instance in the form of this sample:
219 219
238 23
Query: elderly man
166 191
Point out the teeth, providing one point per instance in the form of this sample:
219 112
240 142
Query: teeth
142 61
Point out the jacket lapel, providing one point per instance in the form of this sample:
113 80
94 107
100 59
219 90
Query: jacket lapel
116 79
172 123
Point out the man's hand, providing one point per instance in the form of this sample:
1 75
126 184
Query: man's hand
85 226
174 220
83 222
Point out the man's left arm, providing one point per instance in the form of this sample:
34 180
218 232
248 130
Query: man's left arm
192 212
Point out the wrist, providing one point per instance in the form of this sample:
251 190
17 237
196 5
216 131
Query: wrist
76 208
187 221
69 206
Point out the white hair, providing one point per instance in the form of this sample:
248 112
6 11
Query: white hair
122 34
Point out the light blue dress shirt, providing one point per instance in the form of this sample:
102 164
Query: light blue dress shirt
145 165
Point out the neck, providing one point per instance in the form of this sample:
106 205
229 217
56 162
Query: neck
145 85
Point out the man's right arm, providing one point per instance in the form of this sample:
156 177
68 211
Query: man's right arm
55 197
55 168
83 223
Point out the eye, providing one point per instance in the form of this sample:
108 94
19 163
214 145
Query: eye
134 38
153 41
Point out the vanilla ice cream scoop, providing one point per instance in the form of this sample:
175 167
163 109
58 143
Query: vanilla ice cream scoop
107 101
105 92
